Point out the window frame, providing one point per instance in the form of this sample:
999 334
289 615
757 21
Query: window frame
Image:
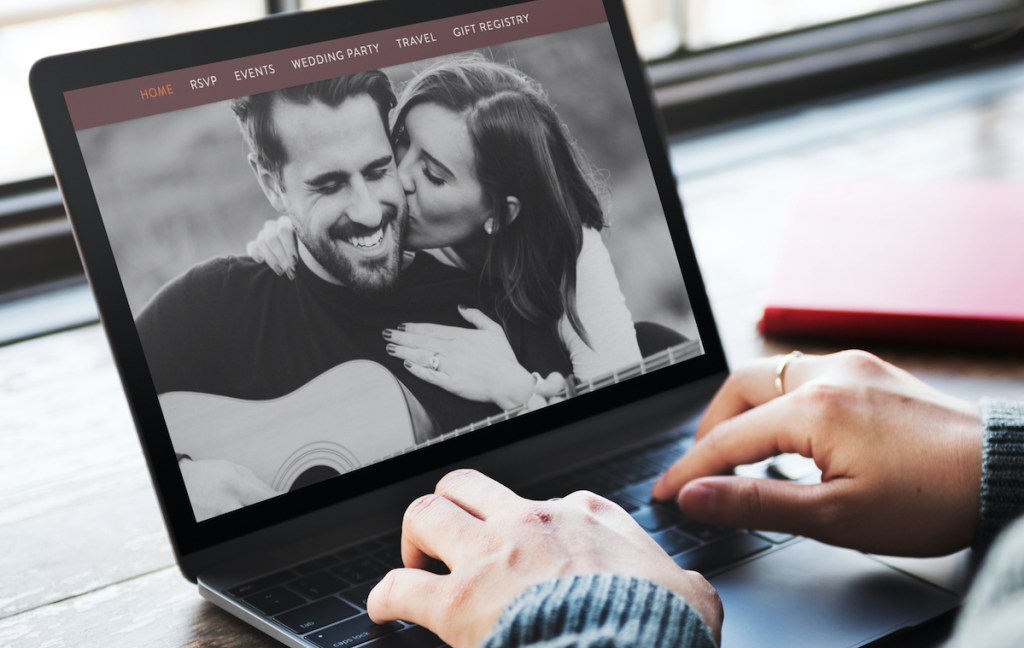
696 91
37 248
713 87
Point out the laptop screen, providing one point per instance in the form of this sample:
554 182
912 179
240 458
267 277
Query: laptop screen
349 251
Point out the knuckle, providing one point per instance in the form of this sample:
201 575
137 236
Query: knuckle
456 478
862 362
591 502
420 507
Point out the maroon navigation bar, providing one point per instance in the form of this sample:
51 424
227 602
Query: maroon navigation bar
178 89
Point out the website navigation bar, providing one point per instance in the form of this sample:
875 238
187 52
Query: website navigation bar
184 88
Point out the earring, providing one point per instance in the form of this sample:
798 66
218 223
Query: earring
489 226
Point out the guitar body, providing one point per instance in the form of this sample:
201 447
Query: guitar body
350 416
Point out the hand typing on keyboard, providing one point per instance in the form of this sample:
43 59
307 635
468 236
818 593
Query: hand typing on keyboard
496 544
900 462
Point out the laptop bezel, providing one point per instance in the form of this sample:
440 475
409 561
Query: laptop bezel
51 77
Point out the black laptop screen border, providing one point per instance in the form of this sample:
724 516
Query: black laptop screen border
51 77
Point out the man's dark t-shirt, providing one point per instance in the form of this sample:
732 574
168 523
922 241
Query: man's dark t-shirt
232 327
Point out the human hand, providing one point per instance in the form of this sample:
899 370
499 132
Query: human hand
276 246
549 391
215 487
900 461
496 544
477 364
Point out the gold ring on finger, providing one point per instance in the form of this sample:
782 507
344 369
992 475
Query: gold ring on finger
780 371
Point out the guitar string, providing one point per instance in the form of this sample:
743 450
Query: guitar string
654 362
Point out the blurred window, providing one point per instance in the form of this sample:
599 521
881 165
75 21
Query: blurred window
32 29
663 27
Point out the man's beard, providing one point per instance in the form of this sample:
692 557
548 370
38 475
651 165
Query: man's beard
366 276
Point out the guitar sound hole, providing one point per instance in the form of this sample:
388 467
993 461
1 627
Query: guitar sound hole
314 475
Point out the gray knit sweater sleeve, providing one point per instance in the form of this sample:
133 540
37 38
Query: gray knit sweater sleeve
1002 468
599 610
992 612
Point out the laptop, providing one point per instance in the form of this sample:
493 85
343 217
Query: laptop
283 374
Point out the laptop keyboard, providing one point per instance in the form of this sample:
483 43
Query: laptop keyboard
324 599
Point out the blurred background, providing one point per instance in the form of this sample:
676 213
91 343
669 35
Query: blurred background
199 198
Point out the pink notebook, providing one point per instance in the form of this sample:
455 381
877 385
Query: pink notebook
938 263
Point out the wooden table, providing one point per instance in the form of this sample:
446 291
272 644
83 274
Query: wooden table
84 558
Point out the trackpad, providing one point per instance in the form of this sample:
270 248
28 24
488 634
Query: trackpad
810 594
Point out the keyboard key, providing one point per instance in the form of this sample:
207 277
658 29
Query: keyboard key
317 615
391 556
361 570
636 470
626 502
275 601
352 633
349 554
673 541
357 595
317 564
640 492
605 478
722 552
665 456
262 583
705 532
414 637
318 585
656 518
774 536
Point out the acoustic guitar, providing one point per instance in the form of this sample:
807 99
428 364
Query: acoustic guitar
345 418
351 416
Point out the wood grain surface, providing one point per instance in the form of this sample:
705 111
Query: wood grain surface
84 559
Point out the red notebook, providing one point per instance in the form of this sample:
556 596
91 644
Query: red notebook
939 263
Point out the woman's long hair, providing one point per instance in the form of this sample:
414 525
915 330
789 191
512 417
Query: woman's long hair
524 150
